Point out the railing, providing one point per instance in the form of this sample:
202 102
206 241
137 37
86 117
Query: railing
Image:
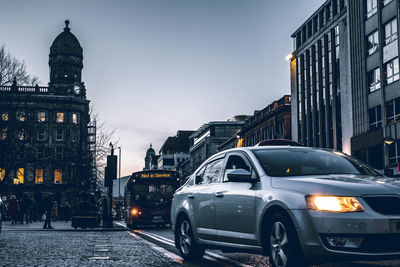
24 89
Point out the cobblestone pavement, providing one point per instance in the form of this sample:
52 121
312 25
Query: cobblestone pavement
69 248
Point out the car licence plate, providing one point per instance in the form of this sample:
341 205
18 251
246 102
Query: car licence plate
395 226
157 219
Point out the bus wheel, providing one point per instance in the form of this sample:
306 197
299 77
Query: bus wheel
185 241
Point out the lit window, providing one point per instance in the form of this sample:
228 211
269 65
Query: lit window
41 116
391 31
373 43
39 176
75 118
2 174
57 176
60 117
21 134
41 135
3 133
372 7
20 176
4 116
59 134
21 115
374 80
392 71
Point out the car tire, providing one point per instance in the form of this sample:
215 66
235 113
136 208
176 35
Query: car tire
281 243
185 242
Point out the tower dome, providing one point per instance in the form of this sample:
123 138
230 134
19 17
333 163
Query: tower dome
150 151
65 61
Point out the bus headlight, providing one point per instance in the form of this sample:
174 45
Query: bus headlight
333 203
135 212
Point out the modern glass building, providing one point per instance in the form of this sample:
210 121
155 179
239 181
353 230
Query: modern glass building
345 80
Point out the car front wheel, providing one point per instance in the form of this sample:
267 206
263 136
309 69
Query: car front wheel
185 241
282 243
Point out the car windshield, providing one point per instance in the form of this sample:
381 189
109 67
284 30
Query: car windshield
153 195
299 162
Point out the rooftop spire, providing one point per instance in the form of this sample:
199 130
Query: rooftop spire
66 26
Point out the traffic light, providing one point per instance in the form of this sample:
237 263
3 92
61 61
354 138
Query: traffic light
110 170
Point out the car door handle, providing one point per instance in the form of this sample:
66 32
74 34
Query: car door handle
219 194
190 196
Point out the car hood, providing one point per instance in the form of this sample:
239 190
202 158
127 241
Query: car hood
349 185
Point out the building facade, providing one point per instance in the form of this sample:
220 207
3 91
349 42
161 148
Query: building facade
44 136
150 160
272 122
345 79
174 151
206 140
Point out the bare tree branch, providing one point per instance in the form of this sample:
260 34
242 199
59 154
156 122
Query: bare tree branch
11 67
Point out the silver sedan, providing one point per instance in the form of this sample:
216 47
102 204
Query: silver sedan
295 204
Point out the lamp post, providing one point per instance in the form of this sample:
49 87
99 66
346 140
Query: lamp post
119 172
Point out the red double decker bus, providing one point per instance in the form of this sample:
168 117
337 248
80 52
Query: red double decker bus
148 195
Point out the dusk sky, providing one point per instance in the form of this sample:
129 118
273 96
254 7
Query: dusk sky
152 68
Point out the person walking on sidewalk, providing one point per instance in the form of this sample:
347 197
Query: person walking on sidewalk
13 208
48 206
105 210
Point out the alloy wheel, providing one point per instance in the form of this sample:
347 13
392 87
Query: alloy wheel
185 239
279 244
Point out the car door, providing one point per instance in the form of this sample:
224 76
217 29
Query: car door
235 205
202 199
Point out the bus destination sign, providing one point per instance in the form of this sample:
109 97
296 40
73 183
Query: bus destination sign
155 175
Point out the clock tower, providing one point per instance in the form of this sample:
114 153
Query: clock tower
66 63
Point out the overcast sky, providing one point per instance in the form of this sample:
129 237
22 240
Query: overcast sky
153 67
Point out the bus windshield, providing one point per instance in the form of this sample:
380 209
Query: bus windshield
153 195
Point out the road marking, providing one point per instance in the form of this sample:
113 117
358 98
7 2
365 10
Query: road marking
168 254
208 253
99 258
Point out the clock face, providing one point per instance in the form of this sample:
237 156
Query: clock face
77 89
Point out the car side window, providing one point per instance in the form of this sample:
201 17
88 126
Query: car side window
211 173
236 162
199 175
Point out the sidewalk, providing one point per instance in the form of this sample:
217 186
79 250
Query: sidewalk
58 226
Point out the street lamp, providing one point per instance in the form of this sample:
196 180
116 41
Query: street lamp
387 141
119 172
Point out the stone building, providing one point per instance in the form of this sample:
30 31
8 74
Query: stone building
150 160
345 80
45 144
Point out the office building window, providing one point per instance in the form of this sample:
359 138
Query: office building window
57 176
59 134
41 116
2 174
74 118
3 133
375 117
39 176
386 2
60 117
21 134
41 134
21 116
40 152
390 31
373 42
374 80
372 7
59 152
393 111
392 71
20 176
4 116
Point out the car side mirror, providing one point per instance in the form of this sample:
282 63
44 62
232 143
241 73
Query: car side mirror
240 175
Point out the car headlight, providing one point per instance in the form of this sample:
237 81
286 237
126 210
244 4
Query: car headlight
334 203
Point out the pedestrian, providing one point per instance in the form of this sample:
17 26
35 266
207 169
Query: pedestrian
54 211
105 210
67 211
13 208
25 207
48 206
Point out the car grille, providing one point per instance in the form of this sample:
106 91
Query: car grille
387 205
